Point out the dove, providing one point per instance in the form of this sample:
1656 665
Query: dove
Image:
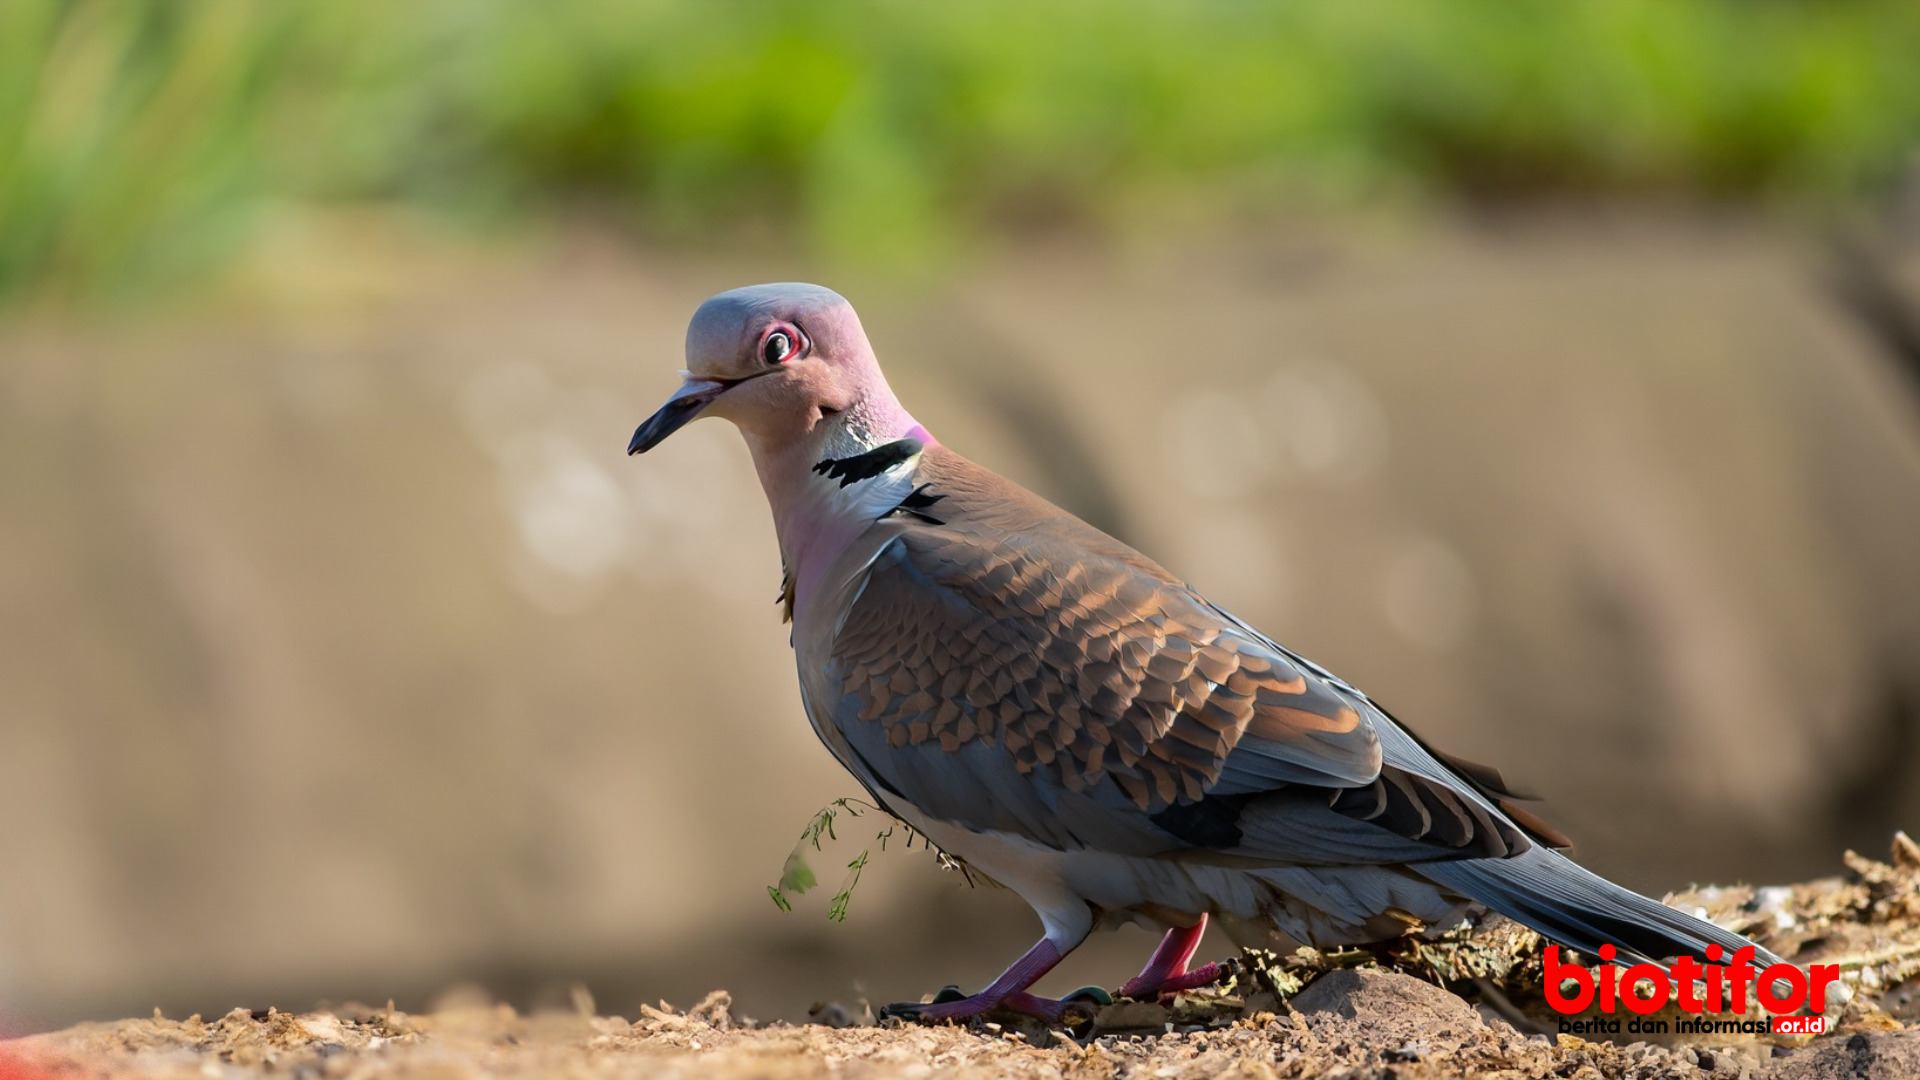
1076 723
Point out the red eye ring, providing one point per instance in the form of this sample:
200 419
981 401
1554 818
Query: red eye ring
782 342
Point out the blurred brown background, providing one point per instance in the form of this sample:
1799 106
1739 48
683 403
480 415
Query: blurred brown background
1569 407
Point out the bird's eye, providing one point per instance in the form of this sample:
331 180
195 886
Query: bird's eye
778 348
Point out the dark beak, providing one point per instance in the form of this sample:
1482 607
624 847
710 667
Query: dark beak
684 405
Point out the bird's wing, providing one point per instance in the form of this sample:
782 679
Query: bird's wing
1404 750
1075 697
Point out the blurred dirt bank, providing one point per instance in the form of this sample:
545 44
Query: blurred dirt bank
1346 1021
344 656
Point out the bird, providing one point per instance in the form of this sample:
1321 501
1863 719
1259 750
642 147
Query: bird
1074 722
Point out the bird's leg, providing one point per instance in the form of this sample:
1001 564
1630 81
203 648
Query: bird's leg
1009 992
1166 971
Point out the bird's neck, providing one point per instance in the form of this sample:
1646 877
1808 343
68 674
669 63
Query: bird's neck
816 515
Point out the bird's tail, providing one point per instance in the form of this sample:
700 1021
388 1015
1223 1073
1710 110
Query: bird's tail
1582 910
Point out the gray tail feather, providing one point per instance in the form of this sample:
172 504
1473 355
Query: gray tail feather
1582 910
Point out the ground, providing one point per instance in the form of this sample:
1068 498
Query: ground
1467 1004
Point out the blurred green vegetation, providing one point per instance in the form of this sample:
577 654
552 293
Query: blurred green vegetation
139 141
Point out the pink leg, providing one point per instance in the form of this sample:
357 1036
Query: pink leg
1166 972
1009 991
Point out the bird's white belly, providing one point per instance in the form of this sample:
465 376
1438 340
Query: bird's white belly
1035 871
1257 907
1065 887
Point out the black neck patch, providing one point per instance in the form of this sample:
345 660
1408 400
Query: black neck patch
852 470
916 503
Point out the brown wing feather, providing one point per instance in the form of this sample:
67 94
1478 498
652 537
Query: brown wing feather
1088 663
1079 657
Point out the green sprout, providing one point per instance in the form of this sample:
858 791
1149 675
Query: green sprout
837 910
797 876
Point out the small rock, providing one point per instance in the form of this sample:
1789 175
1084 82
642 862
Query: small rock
1385 1009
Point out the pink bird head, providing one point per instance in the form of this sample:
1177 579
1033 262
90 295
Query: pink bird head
789 364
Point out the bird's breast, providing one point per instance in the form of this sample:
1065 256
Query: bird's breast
834 532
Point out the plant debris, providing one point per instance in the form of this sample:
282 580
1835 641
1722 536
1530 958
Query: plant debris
797 876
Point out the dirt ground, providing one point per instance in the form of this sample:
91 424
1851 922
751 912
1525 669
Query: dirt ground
1466 1004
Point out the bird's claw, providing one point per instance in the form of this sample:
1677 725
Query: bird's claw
923 1011
1145 988
912 1011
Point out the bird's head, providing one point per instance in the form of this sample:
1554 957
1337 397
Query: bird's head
789 364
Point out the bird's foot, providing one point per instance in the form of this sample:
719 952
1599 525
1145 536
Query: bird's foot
952 1006
1151 986
1166 971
